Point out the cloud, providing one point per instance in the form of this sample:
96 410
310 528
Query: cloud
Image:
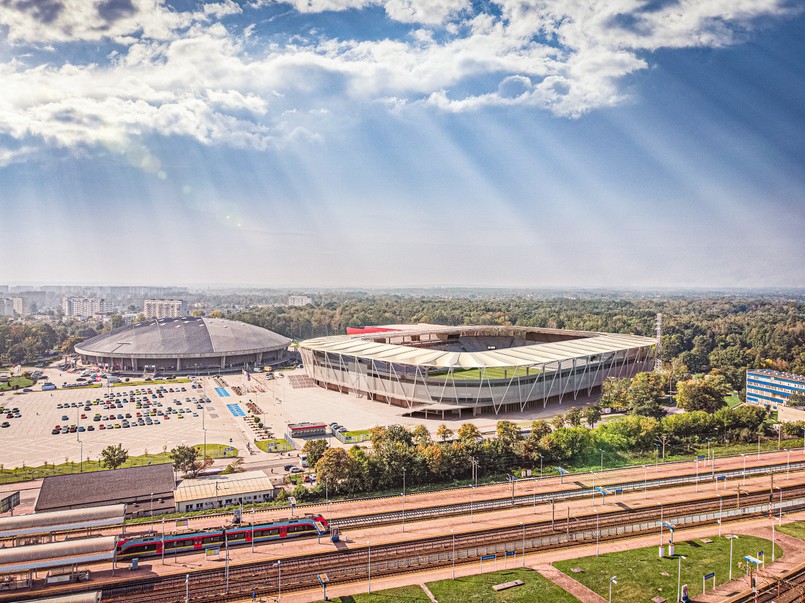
207 73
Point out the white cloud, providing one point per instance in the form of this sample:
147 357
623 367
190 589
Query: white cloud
187 73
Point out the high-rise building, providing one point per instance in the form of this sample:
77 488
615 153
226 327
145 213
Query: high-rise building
298 300
6 306
84 307
164 308
771 389
20 305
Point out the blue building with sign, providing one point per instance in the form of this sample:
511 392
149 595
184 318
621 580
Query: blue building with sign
771 389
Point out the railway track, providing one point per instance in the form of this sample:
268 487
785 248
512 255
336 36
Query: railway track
353 564
789 588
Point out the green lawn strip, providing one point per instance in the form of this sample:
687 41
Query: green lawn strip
475 374
732 400
20 382
796 529
478 589
19 474
276 445
639 571
404 594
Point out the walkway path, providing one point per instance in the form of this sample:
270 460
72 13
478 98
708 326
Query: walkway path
577 589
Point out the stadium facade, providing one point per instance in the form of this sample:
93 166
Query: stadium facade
186 345
475 368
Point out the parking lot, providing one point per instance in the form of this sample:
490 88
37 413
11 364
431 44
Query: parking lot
53 426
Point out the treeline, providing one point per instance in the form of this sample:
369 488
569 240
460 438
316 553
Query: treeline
398 451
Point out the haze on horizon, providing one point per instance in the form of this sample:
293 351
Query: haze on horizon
403 143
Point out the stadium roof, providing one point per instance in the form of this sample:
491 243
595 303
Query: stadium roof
362 346
188 336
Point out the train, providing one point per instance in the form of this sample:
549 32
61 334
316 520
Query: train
152 545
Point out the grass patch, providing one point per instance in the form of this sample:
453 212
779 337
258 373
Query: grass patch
640 571
25 473
276 445
796 529
478 589
732 400
19 382
404 594
475 374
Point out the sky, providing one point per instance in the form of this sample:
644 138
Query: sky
383 143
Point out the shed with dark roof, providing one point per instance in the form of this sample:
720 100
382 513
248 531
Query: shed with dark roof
144 490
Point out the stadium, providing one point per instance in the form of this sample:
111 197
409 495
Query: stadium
474 368
184 346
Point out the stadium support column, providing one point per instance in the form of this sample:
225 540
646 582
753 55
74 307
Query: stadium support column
178 364
223 362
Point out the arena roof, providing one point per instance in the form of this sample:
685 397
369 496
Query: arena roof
362 346
188 336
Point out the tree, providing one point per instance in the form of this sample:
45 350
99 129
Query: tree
197 312
116 321
797 399
644 395
592 414
508 433
614 393
573 416
114 456
469 432
422 436
539 429
216 314
186 460
314 449
444 433
558 422
705 394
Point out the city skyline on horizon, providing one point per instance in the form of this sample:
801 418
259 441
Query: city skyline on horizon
384 145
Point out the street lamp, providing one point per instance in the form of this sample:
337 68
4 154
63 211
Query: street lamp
163 541
151 511
744 474
597 532
369 571
523 526
279 580
679 577
612 581
720 510
731 538
661 519
81 457
403 501
602 459
453 554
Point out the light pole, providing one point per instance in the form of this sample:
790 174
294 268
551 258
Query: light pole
597 533
731 538
403 502
279 580
744 474
679 577
661 518
645 479
758 446
602 459
226 562
523 526
720 511
151 511
204 429
788 464
369 570
163 541
453 554
81 457
252 530
187 588
612 581
697 474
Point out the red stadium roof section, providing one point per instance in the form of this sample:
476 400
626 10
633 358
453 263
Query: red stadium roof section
364 330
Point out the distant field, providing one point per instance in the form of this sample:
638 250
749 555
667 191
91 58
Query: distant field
490 373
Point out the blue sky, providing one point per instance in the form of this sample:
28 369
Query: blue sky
403 143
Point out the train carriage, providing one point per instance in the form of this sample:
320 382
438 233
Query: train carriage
152 545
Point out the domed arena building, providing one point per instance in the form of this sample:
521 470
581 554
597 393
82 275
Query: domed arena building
185 345
481 369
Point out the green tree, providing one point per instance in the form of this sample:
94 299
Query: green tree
422 436
444 433
469 432
508 433
614 394
558 422
333 469
114 456
797 399
592 414
539 429
703 393
216 314
116 321
186 460
314 449
644 395
573 417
